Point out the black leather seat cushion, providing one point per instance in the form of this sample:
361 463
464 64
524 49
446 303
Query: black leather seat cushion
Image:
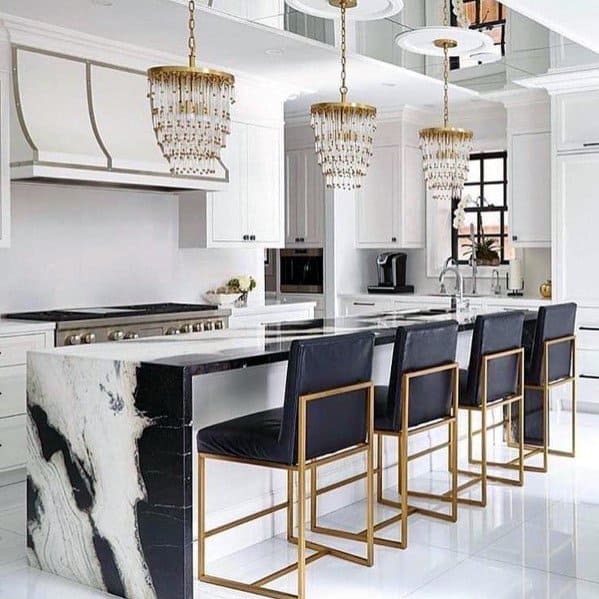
382 419
254 437
332 424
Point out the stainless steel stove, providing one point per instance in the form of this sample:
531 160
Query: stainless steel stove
115 323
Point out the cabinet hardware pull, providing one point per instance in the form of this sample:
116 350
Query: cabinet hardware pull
246 237
252 238
590 144
589 329
589 376
514 238
364 304
393 239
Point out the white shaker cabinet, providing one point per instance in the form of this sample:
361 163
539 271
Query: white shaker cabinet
577 127
4 160
304 199
250 212
529 189
390 204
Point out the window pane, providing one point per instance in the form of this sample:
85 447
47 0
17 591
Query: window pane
469 219
494 169
489 11
464 249
495 33
509 250
493 195
491 223
474 173
471 11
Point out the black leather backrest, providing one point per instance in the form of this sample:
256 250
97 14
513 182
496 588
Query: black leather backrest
494 333
317 365
553 322
416 348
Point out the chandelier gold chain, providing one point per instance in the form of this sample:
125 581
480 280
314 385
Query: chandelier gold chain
343 89
192 37
446 86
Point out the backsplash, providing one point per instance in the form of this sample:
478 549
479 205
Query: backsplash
79 246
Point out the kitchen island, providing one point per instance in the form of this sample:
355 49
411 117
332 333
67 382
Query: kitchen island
111 445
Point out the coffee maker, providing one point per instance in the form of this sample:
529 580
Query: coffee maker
391 268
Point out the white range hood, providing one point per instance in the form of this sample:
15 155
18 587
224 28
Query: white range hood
87 122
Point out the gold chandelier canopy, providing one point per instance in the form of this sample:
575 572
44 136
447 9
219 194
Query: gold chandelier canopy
191 111
343 131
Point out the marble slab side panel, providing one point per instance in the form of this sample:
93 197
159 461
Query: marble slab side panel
108 456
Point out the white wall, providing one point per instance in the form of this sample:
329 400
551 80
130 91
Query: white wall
80 246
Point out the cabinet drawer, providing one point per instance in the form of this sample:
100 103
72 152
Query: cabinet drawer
12 395
587 336
587 390
13 350
576 130
12 443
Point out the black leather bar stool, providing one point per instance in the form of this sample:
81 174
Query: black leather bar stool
328 415
422 395
550 363
494 379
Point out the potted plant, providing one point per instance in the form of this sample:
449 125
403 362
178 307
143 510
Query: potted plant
242 284
486 254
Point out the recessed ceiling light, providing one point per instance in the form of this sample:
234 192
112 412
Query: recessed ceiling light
274 52
389 84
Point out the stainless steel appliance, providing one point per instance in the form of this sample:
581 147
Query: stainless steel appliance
302 271
391 269
115 323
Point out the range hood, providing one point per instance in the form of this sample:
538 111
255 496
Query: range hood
86 122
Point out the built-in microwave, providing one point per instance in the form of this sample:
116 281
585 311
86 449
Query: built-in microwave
302 270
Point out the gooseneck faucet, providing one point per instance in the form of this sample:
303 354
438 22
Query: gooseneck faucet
459 284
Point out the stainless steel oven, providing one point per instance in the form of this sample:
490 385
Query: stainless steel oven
302 271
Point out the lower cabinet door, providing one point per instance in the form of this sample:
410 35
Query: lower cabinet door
12 395
12 443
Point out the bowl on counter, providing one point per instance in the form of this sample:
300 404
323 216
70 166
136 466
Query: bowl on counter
222 299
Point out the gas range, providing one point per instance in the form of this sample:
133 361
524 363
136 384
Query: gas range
115 323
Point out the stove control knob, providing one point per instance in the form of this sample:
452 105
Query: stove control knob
73 340
209 326
116 335
198 327
187 328
132 335
89 338
172 331
219 324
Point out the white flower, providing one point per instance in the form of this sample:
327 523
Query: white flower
245 282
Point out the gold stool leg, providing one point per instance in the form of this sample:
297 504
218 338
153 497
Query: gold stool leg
483 451
201 516
289 505
380 467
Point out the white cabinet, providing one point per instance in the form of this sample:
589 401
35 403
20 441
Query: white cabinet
4 160
529 189
304 199
261 315
390 204
249 213
577 205
577 127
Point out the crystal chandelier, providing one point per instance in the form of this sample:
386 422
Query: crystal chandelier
191 111
445 150
343 131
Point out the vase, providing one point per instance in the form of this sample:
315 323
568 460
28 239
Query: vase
545 289
242 302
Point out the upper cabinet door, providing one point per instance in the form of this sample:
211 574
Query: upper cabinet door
228 209
295 185
376 201
529 189
578 127
4 161
413 198
314 209
265 202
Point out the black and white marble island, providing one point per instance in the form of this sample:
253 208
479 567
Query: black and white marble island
111 450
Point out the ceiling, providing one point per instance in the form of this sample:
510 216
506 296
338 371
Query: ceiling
307 68
575 19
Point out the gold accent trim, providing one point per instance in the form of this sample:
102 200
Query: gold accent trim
449 131
348 3
303 466
200 72
445 43
18 104
343 107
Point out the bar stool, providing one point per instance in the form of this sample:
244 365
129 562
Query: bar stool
422 395
494 379
328 415
551 363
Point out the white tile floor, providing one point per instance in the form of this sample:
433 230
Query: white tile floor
541 541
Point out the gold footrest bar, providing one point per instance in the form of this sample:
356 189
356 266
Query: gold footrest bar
287 569
246 588
428 451
245 520
349 557
562 453
343 483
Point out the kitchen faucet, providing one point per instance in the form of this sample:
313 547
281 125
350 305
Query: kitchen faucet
459 285
451 261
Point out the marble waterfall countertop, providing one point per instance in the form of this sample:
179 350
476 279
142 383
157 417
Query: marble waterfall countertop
229 349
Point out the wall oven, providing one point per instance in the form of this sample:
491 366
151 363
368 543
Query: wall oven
302 271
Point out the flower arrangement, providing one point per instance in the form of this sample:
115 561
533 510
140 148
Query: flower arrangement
242 284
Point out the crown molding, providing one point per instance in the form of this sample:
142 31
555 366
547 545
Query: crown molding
517 96
563 81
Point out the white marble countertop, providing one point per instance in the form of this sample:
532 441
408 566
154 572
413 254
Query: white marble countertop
18 327
271 305
439 299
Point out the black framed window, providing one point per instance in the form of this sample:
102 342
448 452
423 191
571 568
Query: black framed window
487 212
488 16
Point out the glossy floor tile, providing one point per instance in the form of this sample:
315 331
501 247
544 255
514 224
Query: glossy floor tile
536 542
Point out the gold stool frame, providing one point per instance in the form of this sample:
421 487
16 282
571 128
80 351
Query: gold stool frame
518 464
546 388
403 459
258 586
